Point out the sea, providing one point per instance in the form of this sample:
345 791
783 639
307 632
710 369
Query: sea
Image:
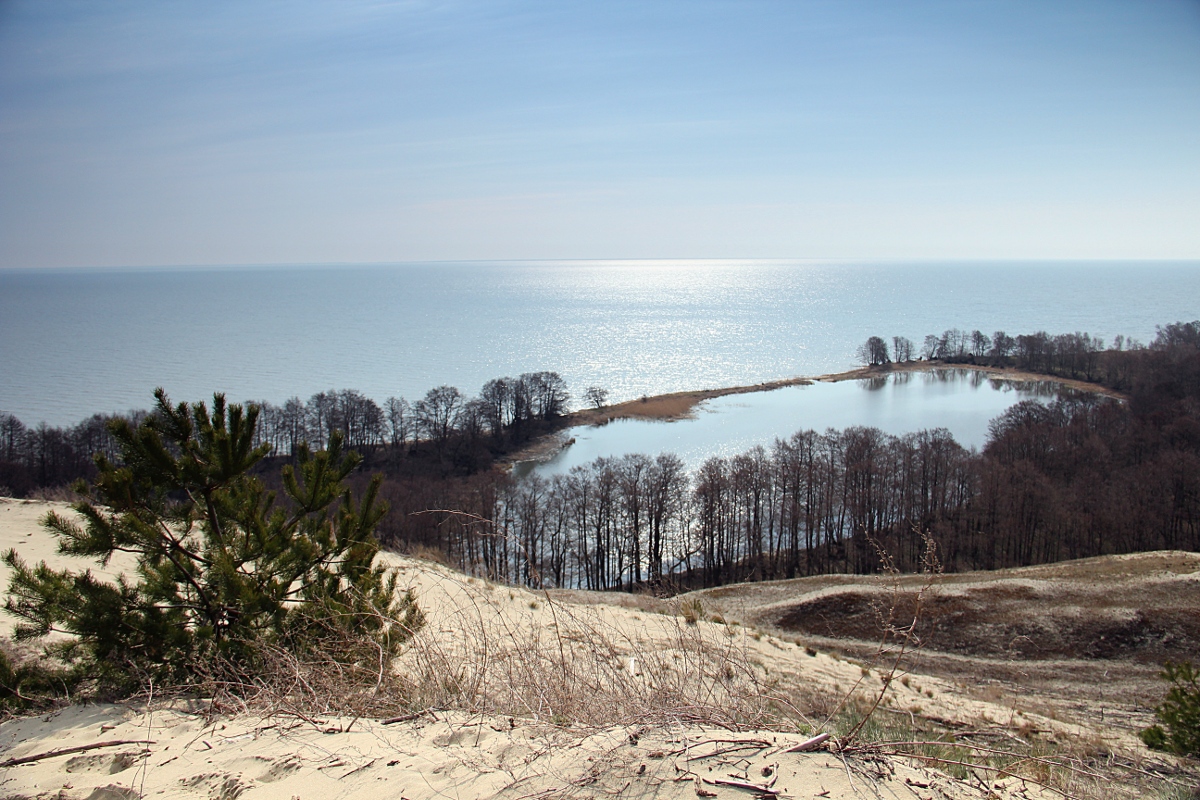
78 341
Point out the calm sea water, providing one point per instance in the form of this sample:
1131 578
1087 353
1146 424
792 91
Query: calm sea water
74 342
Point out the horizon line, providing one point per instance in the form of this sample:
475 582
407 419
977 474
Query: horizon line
657 260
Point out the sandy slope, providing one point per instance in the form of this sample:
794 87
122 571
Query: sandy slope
521 695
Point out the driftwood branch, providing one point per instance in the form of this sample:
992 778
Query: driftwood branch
753 787
65 751
405 717
810 744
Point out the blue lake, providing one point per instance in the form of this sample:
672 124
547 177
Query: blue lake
960 400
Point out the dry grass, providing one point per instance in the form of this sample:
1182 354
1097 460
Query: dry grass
572 665
499 651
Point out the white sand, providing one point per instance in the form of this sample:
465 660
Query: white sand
445 755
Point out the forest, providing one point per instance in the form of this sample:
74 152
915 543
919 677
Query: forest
444 432
1082 475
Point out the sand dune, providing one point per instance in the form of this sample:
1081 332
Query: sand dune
520 694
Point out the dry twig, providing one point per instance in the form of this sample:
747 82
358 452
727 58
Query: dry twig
66 751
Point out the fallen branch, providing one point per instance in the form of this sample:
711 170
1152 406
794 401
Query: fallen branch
404 717
735 745
66 751
359 769
753 787
810 744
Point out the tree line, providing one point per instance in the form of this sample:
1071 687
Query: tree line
1078 356
444 431
449 431
503 408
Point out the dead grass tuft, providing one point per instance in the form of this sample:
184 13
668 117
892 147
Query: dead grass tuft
570 665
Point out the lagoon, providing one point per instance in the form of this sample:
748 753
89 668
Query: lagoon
963 401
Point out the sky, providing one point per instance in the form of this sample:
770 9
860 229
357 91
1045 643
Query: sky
184 133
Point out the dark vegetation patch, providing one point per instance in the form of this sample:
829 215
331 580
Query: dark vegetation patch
1011 622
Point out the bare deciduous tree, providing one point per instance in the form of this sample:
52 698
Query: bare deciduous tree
874 352
596 396
437 413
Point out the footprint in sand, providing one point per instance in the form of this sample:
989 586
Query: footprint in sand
105 763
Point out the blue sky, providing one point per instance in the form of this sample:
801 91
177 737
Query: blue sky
161 133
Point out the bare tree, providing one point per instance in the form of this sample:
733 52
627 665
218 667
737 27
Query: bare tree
902 349
953 344
548 394
322 413
437 413
980 343
521 401
472 418
1177 335
399 420
873 352
596 396
359 418
1002 345
12 431
667 490
497 396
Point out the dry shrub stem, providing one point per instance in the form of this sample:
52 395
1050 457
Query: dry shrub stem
896 641
340 673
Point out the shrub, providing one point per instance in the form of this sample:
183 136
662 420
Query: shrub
27 681
224 572
1179 713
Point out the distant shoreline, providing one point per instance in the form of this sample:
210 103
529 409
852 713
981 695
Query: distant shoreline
682 405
